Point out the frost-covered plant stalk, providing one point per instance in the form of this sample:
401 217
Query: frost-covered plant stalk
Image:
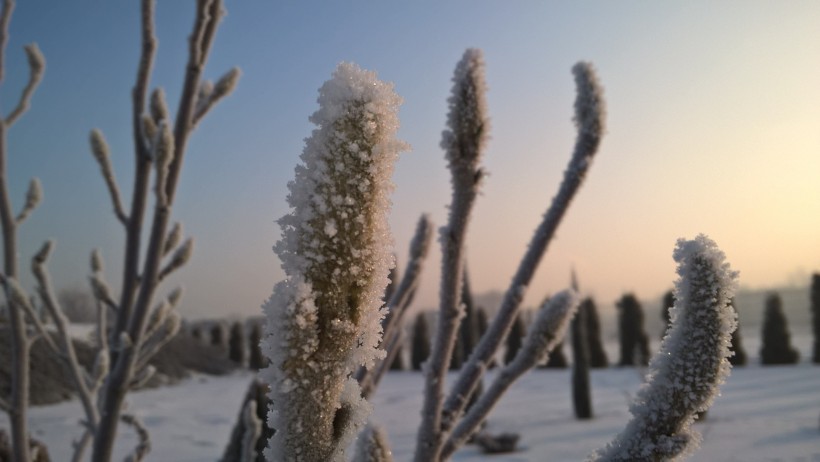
16 334
324 319
544 334
373 446
464 142
693 361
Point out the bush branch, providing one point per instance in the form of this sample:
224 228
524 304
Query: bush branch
36 65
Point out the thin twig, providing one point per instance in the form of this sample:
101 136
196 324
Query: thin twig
139 286
101 151
144 446
5 19
33 197
81 445
36 65
206 100
78 373
400 300
209 13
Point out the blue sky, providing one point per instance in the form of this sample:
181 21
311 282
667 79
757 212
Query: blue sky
714 111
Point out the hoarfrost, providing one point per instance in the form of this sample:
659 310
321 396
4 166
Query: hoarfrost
324 319
684 376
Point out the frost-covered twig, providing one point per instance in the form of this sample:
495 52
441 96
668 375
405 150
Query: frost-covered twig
33 198
547 331
401 298
144 446
210 94
324 319
589 120
253 429
373 446
179 259
155 145
397 306
78 374
102 153
173 239
685 375
15 294
158 338
371 381
17 335
37 66
464 141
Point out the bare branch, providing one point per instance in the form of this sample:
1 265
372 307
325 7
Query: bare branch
99 147
144 446
36 65
33 198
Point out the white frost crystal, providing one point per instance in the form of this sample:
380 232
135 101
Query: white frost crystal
684 376
324 319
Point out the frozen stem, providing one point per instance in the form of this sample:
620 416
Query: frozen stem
37 66
179 259
102 153
144 445
684 376
209 95
79 375
397 306
547 331
253 429
589 120
33 197
464 142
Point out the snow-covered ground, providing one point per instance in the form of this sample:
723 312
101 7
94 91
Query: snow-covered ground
764 414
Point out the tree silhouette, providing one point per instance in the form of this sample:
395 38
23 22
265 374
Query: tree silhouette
776 348
634 341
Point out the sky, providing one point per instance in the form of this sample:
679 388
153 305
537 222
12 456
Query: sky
713 127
